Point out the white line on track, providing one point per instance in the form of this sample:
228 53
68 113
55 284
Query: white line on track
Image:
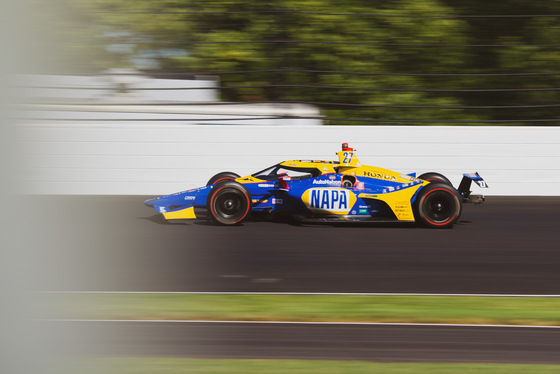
301 293
298 323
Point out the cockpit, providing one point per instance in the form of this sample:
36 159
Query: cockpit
273 173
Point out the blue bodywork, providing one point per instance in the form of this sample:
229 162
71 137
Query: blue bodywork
325 196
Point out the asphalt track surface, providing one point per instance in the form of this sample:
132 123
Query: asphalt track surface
507 245
115 243
316 342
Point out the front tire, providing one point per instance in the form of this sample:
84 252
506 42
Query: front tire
223 176
437 205
228 203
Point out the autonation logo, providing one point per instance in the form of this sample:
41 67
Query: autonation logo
327 182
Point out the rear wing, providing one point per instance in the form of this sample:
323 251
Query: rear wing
465 186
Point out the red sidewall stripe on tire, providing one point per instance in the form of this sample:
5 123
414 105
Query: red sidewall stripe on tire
224 179
248 203
426 218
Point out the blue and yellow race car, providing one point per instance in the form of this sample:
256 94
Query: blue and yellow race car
325 191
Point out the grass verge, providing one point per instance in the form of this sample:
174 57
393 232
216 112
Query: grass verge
304 308
148 365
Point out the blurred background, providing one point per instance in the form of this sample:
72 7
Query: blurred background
360 62
138 97
118 96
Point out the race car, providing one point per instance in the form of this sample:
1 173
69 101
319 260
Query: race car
324 191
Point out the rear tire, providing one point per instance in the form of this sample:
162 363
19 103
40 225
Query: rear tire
437 205
223 176
435 177
228 203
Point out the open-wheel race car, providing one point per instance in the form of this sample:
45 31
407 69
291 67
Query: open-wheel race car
325 191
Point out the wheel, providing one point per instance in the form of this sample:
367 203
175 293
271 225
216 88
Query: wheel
435 177
228 203
223 176
437 205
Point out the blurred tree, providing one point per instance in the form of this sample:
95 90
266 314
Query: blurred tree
304 42
526 25
358 59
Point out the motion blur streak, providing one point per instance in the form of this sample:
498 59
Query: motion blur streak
22 349
335 342
115 243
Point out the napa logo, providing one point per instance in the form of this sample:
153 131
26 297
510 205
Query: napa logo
329 200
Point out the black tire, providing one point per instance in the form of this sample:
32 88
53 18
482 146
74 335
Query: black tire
435 177
437 205
223 176
228 203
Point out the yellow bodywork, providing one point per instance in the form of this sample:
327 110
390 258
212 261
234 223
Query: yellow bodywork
187 213
348 164
249 179
326 167
398 200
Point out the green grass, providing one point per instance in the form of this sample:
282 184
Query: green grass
148 365
305 308
420 309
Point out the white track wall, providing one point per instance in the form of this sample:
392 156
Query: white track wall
157 159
